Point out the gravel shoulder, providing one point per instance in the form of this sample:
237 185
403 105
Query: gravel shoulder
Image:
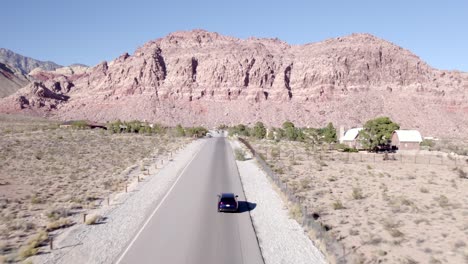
281 238
103 242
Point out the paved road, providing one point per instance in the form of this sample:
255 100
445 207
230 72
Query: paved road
186 227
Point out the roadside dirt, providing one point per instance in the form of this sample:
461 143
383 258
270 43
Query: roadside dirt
384 211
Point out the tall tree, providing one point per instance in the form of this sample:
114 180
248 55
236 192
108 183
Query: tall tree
377 132
329 133
259 130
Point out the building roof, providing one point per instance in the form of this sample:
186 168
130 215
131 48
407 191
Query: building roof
409 136
351 134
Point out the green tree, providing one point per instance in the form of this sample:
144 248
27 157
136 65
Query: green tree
329 133
291 132
377 132
240 130
259 130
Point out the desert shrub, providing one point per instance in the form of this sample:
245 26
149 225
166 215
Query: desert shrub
80 124
27 251
423 190
196 132
270 135
179 131
240 154
262 156
278 170
275 153
61 223
357 193
222 127
392 228
31 248
351 150
427 143
36 200
443 201
305 183
461 173
3 247
58 213
38 239
338 205
295 212
93 219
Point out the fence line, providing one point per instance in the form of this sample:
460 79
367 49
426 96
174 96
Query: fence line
332 247
416 158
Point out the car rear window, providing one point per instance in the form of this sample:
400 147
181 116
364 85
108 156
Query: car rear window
228 200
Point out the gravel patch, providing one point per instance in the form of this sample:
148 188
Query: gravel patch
103 242
282 239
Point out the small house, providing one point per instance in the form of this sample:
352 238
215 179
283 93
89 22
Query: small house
406 139
351 138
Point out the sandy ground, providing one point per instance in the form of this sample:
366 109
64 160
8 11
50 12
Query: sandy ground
413 210
50 176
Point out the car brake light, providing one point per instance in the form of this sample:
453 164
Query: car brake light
221 203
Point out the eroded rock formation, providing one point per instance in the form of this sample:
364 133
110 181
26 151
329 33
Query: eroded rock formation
204 78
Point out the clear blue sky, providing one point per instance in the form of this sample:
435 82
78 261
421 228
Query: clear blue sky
89 32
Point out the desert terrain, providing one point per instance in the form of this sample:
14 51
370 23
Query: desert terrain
50 176
408 208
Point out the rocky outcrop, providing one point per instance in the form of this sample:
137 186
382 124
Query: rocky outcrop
200 77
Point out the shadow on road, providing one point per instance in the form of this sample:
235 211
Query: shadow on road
245 206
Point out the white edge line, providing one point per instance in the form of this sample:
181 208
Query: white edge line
157 208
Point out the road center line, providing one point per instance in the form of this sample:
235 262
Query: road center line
159 205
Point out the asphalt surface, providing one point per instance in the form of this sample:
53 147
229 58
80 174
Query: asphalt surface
186 227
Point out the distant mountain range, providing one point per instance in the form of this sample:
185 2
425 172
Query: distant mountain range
25 64
11 79
204 78
15 70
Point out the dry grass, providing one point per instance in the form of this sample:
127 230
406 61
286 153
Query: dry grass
93 219
397 210
60 223
50 175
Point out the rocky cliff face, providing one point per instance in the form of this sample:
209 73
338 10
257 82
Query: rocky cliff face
200 77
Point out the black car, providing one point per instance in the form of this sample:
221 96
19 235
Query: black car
227 202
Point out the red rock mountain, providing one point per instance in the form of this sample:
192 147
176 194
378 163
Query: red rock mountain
204 78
